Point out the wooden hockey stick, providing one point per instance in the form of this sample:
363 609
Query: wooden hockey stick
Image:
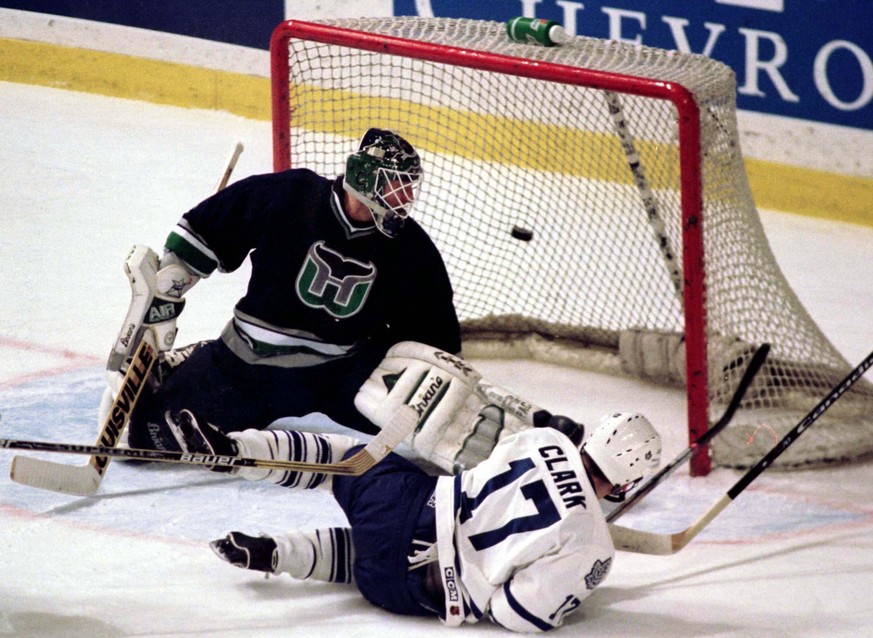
83 480
752 369
398 428
649 200
641 542
229 166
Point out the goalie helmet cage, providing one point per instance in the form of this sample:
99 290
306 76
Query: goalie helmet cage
591 204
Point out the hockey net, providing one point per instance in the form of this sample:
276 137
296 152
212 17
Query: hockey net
592 207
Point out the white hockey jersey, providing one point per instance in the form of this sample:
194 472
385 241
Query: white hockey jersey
521 537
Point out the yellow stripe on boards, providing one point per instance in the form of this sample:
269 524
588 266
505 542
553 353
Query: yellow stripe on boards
135 78
813 193
474 136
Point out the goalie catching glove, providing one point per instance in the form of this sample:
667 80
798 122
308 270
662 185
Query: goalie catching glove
460 417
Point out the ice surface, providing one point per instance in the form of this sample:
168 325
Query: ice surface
85 177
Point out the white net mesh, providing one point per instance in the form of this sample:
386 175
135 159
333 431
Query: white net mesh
546 235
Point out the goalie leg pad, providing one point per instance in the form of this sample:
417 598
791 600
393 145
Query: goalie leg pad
457 427
434 383
413 374
661 356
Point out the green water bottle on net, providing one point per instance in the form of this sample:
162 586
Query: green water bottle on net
536 31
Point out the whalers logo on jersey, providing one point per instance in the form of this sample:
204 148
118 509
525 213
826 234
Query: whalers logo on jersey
334 282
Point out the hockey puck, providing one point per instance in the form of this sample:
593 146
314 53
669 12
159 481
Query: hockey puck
522 234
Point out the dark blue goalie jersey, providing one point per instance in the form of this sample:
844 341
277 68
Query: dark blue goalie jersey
317 277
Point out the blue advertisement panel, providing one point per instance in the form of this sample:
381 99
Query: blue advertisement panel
808 59
248 23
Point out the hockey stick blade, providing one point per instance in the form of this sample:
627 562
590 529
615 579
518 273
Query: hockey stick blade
632 540
398 428
85 479
395 431
755 364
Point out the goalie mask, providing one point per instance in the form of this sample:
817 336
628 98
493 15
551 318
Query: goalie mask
385 175
624 447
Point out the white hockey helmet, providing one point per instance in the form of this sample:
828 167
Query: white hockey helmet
385 174
624 447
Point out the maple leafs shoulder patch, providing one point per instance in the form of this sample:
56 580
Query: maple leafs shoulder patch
598 572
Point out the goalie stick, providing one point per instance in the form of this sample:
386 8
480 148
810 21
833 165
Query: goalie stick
641 542
85 480
402 424
757 360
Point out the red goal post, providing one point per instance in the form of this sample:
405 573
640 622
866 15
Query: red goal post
434 80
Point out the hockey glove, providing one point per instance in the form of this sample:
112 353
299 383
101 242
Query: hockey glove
565 425
200 439
247 552
157 288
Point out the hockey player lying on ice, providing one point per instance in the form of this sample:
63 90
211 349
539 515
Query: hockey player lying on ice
518 537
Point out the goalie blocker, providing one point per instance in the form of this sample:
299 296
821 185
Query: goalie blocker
461 417
156 301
